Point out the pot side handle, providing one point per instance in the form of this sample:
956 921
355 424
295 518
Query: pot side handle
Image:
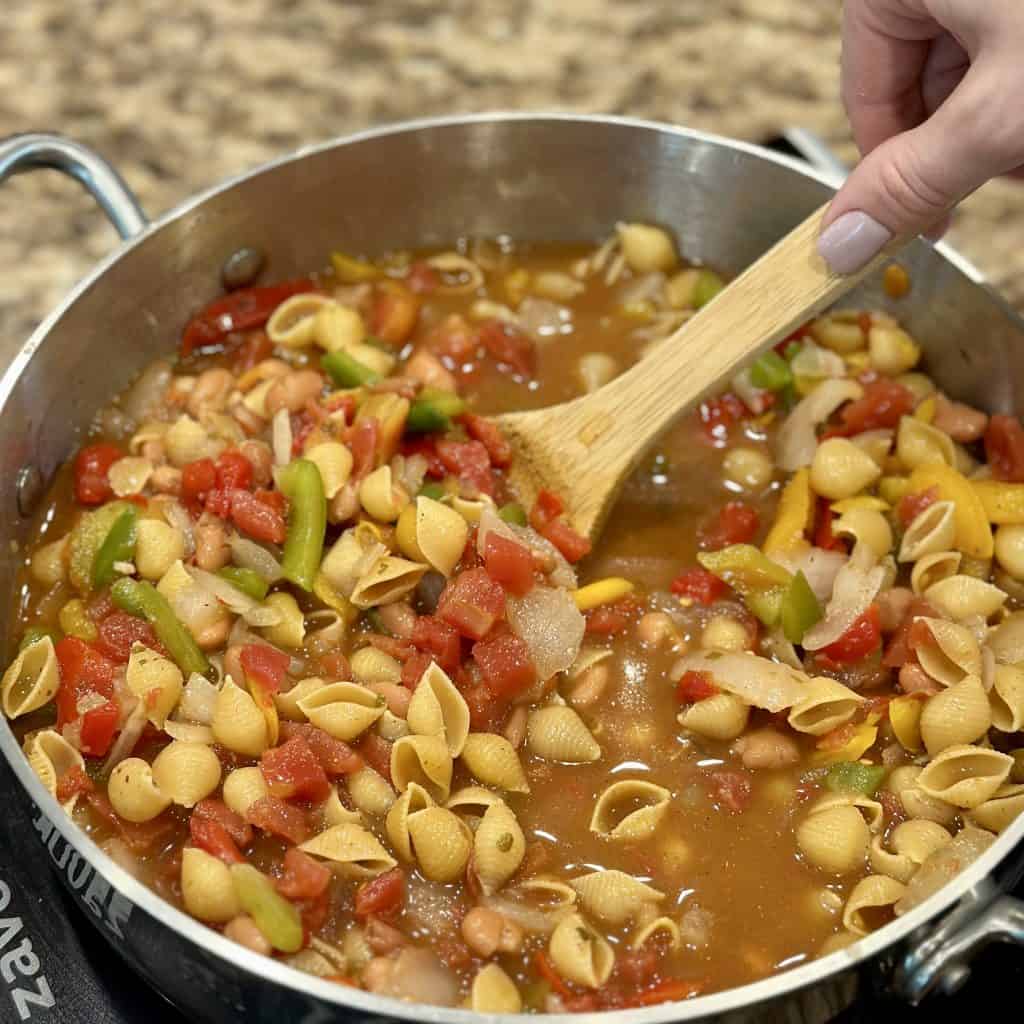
35 150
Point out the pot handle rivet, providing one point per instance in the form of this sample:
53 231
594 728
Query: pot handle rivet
29 490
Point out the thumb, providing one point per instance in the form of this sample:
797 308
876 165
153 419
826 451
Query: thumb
909 183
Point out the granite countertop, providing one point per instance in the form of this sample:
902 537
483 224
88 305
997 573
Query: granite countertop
180 93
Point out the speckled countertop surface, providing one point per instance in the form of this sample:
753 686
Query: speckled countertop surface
180 93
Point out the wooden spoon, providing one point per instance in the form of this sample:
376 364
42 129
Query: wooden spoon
584 449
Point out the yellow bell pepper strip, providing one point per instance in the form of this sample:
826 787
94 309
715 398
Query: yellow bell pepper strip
346 610
34 634
847 743
249 582
905 719
973 534
142 599
892 488
925 412
854 777
347 372
433 410
352 270
759 581
514 513
75 621
605 591
794 516
300 482
86 539
1003 502
117 546
799 610
277 919
867 502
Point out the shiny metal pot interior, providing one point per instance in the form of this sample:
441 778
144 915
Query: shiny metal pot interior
532 177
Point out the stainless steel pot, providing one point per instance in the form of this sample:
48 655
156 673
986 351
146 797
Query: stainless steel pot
533 177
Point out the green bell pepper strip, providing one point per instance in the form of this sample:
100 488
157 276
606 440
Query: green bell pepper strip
433 410
771 372
248 581
854 777
434 491
709 284
117 546
34 634
347 372
277 919
87 537
800 609
300 482
142 599
759 581
792 350
513 513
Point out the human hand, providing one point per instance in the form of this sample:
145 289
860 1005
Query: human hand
935 94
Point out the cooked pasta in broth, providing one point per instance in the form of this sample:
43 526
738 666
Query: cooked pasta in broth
289 650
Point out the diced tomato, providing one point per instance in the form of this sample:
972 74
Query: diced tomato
837 738
472 602
435 637
487 713
668 990
423 278
382 896
278 818
610 619
197 480
572 544
882 405
336 757
377 752
582 1002
823 535
736 523
264 665
238 311
91 467
210 835
732 789
303 424
490 436
469 461
505 664
546 969
304 879
699 585
864 637
272 499
694 686
140 837
254 348
414 667
234 470
218 503
292 772
334 665
547 507
394 312
363 440
84 672
427 447
256 518
395 646
912 505
72 783
717 415
453 339
99 725
509 346
100 605
234 824
119 630
509 563
1004 448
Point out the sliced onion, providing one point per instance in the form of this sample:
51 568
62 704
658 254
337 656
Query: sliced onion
819 566
551 626
419 976
561 573
189 732
235 600
530 919
645 288
196 607
281 437
178 517
776 645
491 522
817 362
856 586
760 682
797 439
543 318
409 471
753 397
198 699
247 554
130 734
944 865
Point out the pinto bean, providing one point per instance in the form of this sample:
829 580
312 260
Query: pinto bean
893 606
655 628
766 748
382 938
243 930
488 932
155 451
211 391
212 550
398 617
233 664
588 687
294 390
249 421
397 696
262 459
914 679
960 421
344 505
377 973
215 634
426 368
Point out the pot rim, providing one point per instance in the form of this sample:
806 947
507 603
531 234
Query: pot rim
215 944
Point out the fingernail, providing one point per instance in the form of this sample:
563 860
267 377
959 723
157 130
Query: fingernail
851 240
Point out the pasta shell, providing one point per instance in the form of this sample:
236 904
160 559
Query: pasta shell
293 323
51 757
723 716
630 809
441 842
557 733
1000 810
931 531
498 847
31 680
334 460
553 893
965 776
957 716
352 850
424 760
903 782
243 787
493 991
613 896
344 710
441 534
438 709
351 557
1007 698
473 800
875 893
919 444
866 526
133 791
238 723
207 889
661 928
155 680
835 838
338 327
186 772
381 497
336 813
471 508
962 597
492 760
287 703
391 727
579 954
930 569
828 704
951 655
389 579
413 800
1006 641
370 792
910 845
